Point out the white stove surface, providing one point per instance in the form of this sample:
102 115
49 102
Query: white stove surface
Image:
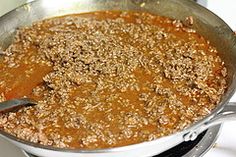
226 143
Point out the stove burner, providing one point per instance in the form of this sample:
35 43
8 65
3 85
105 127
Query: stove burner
198 147
181 149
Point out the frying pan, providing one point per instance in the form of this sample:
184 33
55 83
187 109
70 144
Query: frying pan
205 22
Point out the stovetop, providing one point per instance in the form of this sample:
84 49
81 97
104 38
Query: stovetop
225 145
196 148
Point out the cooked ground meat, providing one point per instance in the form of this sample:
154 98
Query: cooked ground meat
108 79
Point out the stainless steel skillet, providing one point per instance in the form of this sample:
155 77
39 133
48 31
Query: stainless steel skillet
205 22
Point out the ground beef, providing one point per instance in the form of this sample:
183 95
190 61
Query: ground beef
114 79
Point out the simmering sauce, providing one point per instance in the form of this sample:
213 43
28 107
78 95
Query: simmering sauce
108 79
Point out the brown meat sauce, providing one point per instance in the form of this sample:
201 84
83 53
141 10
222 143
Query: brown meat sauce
108 79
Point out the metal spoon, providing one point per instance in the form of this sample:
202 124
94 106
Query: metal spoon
16 104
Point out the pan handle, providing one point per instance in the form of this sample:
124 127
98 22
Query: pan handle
226 114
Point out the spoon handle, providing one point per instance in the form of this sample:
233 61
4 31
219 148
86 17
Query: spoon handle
14 104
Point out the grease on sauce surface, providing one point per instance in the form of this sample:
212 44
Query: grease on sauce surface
108 79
